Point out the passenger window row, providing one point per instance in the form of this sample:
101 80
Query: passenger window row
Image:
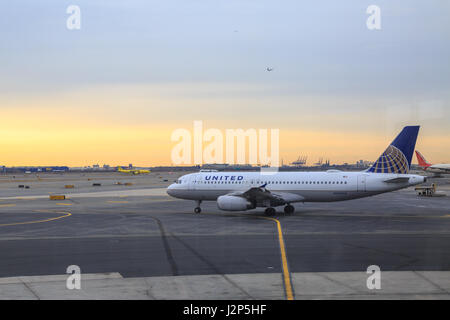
273 182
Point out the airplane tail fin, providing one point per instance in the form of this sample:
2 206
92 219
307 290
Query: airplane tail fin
422 162
398 155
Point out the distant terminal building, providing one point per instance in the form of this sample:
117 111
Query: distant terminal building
226 166
175 168
363 164
215 166
37 169
243 167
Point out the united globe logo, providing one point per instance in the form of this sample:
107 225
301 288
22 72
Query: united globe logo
391 161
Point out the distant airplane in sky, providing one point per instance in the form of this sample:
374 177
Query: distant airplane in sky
269 69
433 168
240 191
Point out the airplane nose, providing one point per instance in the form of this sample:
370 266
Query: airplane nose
169 189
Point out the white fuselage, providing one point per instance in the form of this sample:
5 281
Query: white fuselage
438 168
332 185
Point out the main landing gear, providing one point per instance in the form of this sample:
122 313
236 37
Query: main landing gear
289 209
270 211
197 209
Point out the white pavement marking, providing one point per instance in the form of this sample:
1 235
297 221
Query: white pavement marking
318 285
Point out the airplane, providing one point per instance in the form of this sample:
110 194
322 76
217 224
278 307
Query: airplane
240 191
136 171
437 169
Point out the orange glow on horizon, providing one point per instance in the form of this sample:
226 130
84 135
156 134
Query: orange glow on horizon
121 125
41 144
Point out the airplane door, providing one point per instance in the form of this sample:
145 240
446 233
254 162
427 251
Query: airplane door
361 182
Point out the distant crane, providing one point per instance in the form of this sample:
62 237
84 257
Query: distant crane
301 161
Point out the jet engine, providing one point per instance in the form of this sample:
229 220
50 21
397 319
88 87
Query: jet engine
234 203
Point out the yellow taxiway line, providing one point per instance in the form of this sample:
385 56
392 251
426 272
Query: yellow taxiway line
66 214
284 263
7 205
286 273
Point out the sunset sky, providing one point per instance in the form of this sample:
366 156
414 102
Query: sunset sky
114 91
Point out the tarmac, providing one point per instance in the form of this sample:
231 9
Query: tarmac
135 242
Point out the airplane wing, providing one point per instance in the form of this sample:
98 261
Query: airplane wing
263 197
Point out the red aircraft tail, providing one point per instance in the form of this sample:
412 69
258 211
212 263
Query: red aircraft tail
422 162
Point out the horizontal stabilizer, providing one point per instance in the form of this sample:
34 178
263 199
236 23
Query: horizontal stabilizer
397 180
